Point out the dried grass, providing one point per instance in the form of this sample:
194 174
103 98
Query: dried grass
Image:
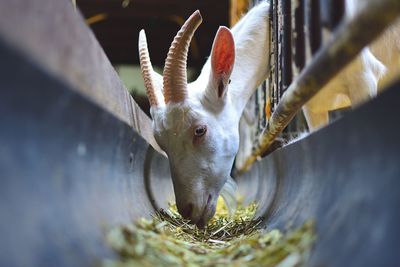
238 240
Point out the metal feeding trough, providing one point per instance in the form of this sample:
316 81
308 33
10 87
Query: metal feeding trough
71 166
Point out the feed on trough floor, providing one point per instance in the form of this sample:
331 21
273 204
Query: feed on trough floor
237 240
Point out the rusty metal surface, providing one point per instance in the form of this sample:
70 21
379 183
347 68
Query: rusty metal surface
349 39
276 54
54 35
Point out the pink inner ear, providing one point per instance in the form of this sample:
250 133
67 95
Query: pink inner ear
223 53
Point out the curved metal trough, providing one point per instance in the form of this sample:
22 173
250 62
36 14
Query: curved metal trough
70 169
65 180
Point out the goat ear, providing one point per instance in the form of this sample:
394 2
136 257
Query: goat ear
222 61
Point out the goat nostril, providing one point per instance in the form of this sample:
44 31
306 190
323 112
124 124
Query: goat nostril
187 211
209 199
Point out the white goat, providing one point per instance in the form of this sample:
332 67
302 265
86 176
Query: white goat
387 50
196 124
359 81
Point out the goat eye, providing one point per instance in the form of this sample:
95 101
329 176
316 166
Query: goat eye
200 130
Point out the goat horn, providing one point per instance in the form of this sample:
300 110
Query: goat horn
174 76
153 90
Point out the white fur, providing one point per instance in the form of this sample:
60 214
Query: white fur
387 50
247 132
200 171
360 80
252 56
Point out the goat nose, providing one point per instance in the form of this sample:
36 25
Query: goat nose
187 211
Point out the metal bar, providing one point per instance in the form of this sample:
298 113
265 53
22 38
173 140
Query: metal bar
298 37
337 12
314 25
270 99
276 51
263 89
286 45
349 39
279 56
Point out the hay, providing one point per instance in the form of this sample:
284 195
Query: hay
238 240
